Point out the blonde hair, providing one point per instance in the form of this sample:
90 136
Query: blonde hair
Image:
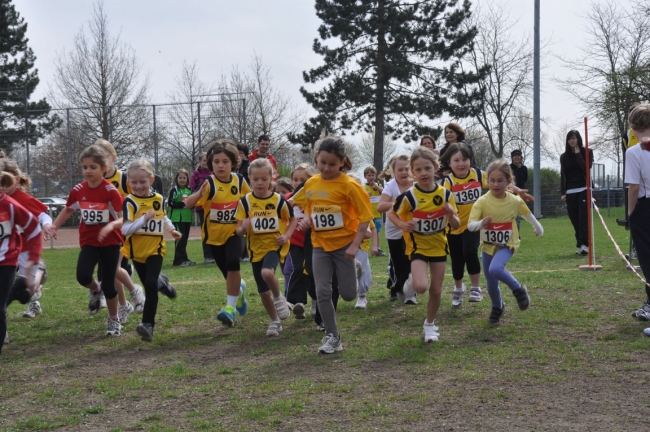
23 180
639 117
368 170
425 153
94 152
7 179
308 169
261 163
141 164
500 165
107 146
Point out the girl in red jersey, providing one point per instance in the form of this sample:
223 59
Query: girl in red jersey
100 203
12 216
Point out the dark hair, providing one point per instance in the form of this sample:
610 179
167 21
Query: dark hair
179 172
454 148
242 148
571 134
263 137
335 146
433 140
226 147
94 152
460 132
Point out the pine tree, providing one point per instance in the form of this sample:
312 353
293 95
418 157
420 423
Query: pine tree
18 80
394 64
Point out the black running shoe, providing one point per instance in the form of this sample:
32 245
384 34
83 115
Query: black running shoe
165 287
523 300
496 314
20 291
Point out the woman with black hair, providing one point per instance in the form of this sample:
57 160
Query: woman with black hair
573 170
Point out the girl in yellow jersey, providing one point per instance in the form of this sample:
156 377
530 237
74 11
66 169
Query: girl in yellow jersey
219 196
495 215
267 220
466 184
338 211
423 213
144 225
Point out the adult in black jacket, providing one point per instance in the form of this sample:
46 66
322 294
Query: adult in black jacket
573 170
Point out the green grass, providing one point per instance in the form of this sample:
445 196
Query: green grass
59 371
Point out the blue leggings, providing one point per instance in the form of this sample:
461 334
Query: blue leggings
494 268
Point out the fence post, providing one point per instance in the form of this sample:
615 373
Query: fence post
198 115
67 113
155 140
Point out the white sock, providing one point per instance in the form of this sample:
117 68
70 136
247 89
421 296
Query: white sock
232 300
277 298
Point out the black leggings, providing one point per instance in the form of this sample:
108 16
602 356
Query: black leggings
463 250
400 265
299 282
148 273
641 237
576 205
180 252
88 259
226 256
7 274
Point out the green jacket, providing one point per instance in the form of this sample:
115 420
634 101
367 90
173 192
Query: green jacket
176 210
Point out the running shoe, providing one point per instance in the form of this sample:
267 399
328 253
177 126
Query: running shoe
227 316
496 314
114 327
457 296
381 253
430 332
413 300
320 327
123 312
138 299
582 250
361 303
165 287
102 301
408 290
20 291
95 301
145 330
281 307
242 304
299 311
647 332
523 299
208 260
187 263
274 328
33 310
331 345
475 294
643 313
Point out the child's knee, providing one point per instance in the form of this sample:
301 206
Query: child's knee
420 287
268 274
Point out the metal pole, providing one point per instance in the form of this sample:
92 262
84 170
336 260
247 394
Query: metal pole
198 114
155 140
537 178
26 131
69 148
244 103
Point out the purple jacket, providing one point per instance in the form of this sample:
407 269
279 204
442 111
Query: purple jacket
197 179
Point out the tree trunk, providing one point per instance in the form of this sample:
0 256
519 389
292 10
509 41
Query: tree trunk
382 47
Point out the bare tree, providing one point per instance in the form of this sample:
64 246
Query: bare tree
101 74
508 86
366 148
613 72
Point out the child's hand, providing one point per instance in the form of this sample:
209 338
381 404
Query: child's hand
408 226
291 203
149 215
47 231
523 193
52 232
351 252
486 221
282 240
176 235
304 224
106 230
449 210
374 251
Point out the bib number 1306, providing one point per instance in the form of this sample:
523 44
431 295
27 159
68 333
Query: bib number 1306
498 234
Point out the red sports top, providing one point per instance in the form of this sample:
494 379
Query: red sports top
98 207
34 206
13 215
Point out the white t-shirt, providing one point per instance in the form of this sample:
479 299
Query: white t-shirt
637 169
392 190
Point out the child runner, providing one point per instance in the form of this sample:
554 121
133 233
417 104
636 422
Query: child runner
466 183
495 214
39 272
100 203
181 216
374 191
423 213
338 211
13 216
364 278
219 196
400 265
267 219
144 225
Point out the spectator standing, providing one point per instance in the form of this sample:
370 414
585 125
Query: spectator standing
263 144
520 174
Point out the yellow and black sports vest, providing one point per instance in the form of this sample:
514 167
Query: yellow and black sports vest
148 240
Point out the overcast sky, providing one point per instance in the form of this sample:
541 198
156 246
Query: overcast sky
220 34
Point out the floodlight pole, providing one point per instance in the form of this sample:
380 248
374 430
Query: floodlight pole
537 178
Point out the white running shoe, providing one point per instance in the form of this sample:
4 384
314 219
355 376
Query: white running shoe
475 294
274 328
331 344
408 287
138 299
457 296
95 301
281 307
114 327
413 300
33 309
102 301
299 311
362 302
123 312
430 332
312 308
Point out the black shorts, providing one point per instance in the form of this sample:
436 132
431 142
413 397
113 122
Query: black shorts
226 256
270 261
428 259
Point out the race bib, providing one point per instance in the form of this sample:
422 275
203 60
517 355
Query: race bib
466 193
153 227
430 222
94 213
325 218
5 225
223 213
375 199
264 221
497 234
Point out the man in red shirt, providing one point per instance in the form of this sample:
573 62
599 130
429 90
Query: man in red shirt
263 144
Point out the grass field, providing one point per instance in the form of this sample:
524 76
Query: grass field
576 360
